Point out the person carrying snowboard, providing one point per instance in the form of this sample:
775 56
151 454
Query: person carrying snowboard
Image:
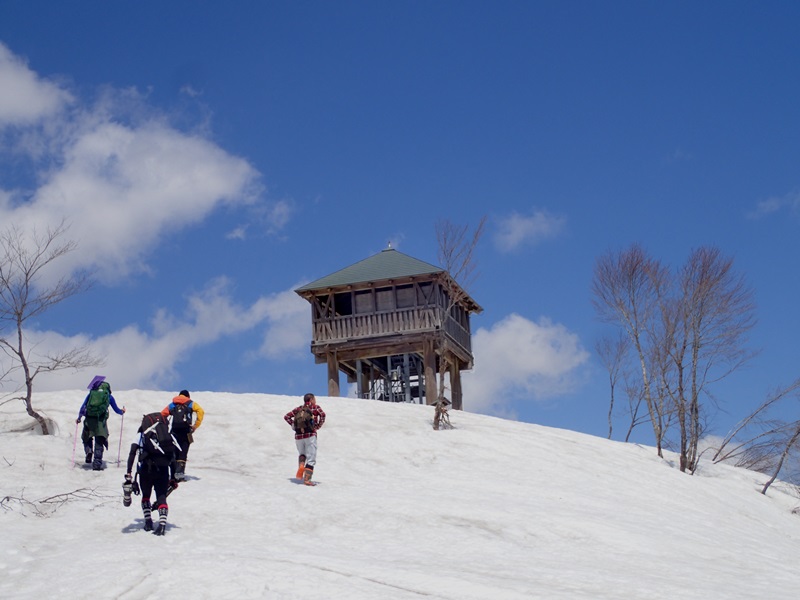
181 409
156 452
94 412
306 420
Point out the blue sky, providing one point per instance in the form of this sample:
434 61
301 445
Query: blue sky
212 157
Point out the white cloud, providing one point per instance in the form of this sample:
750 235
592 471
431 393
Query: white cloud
519 359
268 217
708 445
118 172
139 358
278 214
790 201
237 233
289 330
517 230
26 98
124 178
123 188
190 91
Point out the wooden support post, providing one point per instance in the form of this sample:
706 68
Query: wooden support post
407 377
333 375
429 366
360 378
455 385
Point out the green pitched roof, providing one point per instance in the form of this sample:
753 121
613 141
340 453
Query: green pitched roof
387 264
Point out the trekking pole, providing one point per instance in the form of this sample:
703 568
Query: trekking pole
75 443
121 424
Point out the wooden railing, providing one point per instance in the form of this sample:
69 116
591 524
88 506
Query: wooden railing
458 333
412 320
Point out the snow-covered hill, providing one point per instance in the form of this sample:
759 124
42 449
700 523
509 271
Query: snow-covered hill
493 509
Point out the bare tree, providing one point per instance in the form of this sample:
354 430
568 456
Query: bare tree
46 507
612 353
625 289
635 394
23 261
713 315
756 426
688 332
762 442
457 251
457 256
790 445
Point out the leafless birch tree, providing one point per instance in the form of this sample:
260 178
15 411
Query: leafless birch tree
456 256
762 442
790 445
23 260
714 313
625 294
756 426
688 332
612 352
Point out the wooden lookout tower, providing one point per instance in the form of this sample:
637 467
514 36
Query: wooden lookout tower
388 322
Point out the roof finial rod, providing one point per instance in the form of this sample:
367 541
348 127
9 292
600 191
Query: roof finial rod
389 245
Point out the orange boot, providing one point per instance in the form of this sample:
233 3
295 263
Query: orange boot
301 467
307 473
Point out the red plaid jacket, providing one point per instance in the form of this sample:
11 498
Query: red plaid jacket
319 420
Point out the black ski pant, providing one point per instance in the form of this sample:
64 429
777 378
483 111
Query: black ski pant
93 445
184 439
152 476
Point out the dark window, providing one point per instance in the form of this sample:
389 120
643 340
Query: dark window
385 299
425 294
405 296
364 302
343 303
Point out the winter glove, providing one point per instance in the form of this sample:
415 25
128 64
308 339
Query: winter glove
173 483
78 420
135 487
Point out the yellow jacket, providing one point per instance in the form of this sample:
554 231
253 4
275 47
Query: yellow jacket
196 408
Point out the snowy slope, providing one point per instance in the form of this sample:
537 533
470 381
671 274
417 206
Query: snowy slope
492 509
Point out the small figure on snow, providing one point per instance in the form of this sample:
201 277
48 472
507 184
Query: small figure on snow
441 418
155 470
94 412
306 419
181 409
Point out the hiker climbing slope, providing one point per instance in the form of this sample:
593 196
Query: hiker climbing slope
154 454
181 409
94 411
306 419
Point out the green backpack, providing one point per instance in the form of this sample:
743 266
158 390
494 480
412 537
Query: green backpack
97 406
